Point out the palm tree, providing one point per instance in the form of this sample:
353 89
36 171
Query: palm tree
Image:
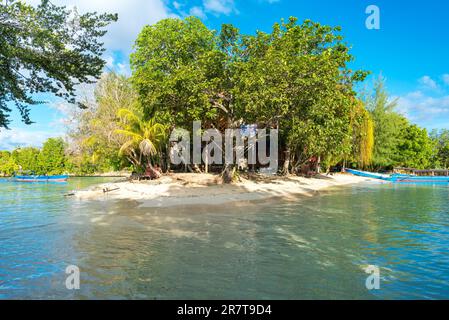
144 138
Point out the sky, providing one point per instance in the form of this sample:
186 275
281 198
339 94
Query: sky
410 49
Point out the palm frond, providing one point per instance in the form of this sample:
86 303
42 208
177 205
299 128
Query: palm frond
126 147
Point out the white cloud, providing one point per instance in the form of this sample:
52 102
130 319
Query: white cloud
420 107
118 67
11 139
219 6
428 82
177 5
198 12
109 62
445 78
133 16
215 7
428 106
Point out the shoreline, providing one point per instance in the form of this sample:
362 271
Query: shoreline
185 189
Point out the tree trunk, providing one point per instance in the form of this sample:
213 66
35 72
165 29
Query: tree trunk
228 173
318 167
167 159
286 168
206 161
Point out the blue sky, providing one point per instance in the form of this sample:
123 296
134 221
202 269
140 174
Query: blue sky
411 49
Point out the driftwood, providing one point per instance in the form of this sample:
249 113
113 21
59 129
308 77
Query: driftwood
106 190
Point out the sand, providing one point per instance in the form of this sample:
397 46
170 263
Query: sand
202 189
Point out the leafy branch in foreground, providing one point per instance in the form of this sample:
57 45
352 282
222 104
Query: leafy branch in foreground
46 49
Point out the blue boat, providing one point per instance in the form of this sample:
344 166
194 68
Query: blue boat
402 178
41 178
369 174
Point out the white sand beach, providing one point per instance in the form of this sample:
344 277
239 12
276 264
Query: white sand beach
197 189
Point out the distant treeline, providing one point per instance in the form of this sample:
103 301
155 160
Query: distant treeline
50 159
53 158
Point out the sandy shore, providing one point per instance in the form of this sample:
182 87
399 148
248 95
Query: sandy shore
196 189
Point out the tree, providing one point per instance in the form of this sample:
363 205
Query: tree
169 70
295 79
415 149
46 49
441 141
94 142
145 138
26 159
7 164
362 136
388 125
52 159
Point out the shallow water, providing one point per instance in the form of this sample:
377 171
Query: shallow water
315 247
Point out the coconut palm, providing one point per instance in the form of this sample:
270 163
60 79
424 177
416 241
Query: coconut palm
144 137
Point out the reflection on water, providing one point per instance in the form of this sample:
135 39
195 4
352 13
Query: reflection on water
312 248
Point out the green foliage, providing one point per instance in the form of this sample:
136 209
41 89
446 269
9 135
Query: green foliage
170 67
144 138
362 136
415 149
441 142
46 49
7 164
94 143
295 79
397 143
52 159
82 165
26 159
388 126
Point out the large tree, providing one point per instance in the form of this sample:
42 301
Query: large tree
46 49
169 70
297 80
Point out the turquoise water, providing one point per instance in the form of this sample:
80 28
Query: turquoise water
315 247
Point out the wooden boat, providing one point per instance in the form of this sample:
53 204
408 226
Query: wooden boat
402 178
40 178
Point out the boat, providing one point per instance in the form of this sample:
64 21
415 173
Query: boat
401 178
369 174
40 178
